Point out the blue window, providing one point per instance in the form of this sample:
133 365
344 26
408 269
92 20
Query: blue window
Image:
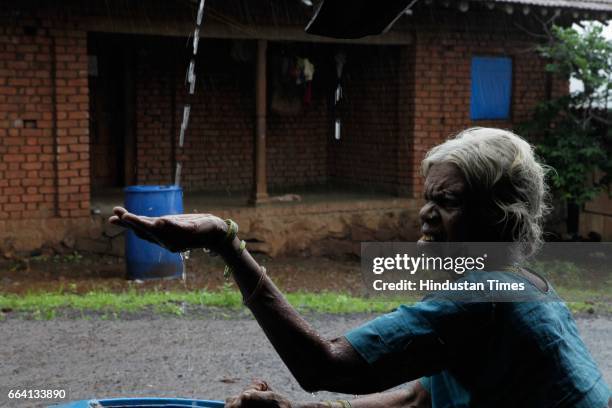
491 88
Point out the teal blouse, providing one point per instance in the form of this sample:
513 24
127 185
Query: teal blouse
490 354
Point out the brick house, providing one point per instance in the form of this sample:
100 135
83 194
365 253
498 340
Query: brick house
92 96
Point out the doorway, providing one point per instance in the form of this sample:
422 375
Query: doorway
111 88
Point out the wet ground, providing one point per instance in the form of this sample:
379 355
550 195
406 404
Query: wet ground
208 353
211 356
81 273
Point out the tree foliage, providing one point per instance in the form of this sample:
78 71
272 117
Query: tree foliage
572 131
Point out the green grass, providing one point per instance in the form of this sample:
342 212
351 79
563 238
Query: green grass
45 306
129 301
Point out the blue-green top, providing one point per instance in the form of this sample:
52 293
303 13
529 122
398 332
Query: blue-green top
489 354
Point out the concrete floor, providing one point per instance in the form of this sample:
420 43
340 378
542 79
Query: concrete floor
194 201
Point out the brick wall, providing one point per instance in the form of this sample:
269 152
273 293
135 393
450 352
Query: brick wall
219 139
297 146
44 143
365 154
218 152
155 123
442 86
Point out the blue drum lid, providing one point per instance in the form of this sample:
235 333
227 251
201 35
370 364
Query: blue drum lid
142 403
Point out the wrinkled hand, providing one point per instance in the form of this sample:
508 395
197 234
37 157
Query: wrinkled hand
258 395
175 232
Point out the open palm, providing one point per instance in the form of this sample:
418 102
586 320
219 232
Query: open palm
175 232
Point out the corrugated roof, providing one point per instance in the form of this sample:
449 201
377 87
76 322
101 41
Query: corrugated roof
592 5
333 19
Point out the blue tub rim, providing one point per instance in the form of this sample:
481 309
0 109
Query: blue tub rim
159 402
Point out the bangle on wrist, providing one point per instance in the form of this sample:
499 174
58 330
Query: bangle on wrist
227 271
333 404
232 230
229 234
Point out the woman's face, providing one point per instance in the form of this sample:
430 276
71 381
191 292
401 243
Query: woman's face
445 216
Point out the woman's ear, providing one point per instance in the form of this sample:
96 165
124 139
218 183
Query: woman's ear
486 218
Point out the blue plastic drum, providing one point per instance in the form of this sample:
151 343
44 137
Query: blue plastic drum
142 403
146 260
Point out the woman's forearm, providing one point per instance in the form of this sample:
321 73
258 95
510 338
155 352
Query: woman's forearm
395 399
307 355
413 396
392 399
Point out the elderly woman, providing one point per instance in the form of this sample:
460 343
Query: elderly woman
484 185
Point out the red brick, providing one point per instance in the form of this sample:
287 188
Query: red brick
13 158
31 166
32 198
13 207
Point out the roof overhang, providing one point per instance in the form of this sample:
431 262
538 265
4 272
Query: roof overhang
360 18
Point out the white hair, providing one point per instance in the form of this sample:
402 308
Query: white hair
504 165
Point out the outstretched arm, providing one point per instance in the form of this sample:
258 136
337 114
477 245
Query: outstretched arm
315 362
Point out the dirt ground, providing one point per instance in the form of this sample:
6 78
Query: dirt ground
82 273
208 353
198 356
